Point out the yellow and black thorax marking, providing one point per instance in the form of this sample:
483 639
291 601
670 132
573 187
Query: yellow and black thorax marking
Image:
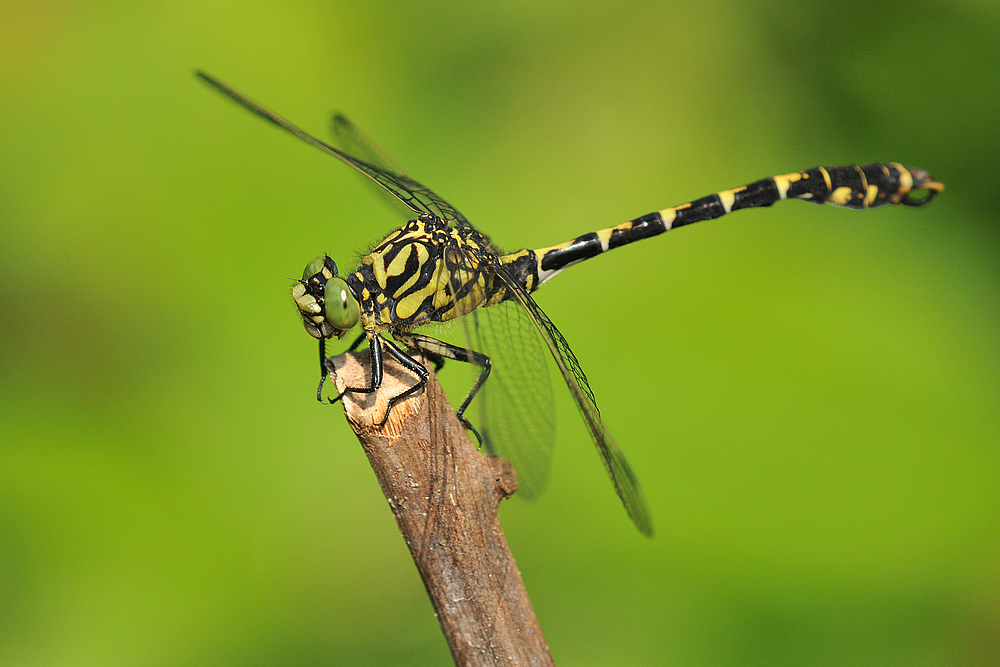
428 271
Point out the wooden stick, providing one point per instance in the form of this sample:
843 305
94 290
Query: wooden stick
445 494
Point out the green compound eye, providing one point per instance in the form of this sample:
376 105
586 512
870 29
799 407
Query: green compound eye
327 306
341 308
315 266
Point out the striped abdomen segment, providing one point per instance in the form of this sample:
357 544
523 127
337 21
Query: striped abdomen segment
852 186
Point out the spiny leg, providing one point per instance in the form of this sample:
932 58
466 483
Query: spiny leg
357 341
375 349
410 364
322 369
375 345
435 359
322 365
433 347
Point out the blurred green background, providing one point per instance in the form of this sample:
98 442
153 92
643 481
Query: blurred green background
809 395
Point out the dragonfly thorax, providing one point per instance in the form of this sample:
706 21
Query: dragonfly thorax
327 306
402 282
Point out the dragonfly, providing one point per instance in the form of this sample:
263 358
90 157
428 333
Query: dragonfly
438 267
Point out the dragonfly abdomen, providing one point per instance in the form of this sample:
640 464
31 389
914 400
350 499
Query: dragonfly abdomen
851 186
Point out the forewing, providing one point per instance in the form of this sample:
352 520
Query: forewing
360 147
625 481
414 195
514 410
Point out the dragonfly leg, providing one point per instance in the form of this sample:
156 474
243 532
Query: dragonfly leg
322 367
375 347
357 341
410 364
434 358
433 347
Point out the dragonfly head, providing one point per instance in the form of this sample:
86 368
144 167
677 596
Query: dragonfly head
324 300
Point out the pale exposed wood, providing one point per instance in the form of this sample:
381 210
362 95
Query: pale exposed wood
444 494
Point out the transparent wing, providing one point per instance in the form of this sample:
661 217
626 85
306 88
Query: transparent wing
358 145
415 196
514 410
352 140
625 481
